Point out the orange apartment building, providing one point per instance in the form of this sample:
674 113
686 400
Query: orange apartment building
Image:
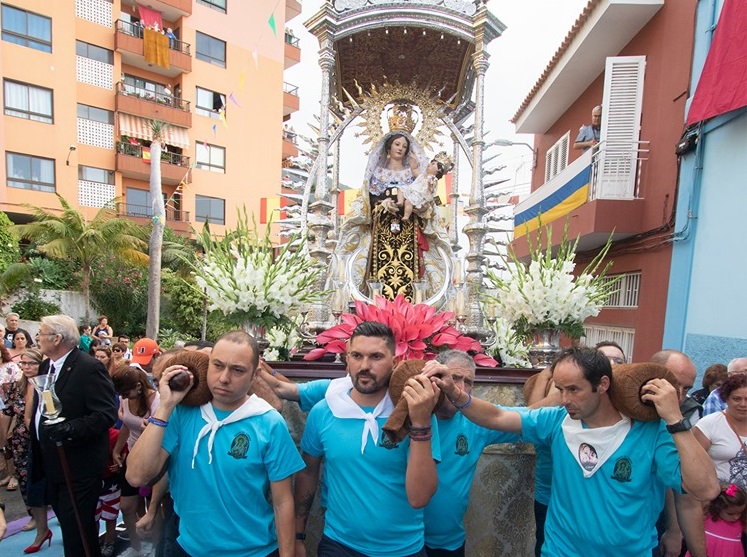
82 79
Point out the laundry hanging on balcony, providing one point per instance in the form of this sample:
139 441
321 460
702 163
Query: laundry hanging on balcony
156 48
135 126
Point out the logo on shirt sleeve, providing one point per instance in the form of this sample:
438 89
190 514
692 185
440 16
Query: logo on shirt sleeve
239 446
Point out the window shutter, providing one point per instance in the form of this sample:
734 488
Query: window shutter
621 127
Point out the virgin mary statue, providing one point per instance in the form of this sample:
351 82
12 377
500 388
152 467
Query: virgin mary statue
399 251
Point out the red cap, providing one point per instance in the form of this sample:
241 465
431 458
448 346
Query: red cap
144 350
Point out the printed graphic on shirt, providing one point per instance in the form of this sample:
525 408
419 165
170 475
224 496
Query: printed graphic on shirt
587 456
239 446
461 446
623 470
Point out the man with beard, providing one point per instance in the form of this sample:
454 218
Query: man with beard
376 489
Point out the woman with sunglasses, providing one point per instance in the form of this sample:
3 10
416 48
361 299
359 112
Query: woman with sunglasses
118 352
20 392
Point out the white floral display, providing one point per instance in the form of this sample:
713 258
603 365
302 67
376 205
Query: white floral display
251 281
545 294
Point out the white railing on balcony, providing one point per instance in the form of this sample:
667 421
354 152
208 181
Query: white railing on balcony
603 173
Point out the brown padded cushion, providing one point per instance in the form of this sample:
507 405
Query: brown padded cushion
197 364
627 382
397 425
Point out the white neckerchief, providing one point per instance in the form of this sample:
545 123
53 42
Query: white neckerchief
591 447
254 406
342 406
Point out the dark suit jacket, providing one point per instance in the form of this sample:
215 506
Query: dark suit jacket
88 404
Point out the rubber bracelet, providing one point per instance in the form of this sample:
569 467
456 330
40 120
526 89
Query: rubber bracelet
156 421
462 407
426 428
421 437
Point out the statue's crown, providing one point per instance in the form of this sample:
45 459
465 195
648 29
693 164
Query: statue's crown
402 117
445 160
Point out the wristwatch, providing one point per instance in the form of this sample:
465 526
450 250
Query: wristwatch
682 425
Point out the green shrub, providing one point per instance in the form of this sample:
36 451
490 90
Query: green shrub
119 290
9 250
33 308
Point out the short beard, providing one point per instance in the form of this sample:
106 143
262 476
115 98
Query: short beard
370 389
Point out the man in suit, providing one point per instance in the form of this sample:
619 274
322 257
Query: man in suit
86 393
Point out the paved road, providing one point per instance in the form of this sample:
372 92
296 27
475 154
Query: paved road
14 507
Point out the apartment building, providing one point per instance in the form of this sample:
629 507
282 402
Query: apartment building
84 79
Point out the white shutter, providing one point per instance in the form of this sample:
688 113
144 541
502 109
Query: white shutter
621 127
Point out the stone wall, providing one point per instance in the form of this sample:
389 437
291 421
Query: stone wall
500 516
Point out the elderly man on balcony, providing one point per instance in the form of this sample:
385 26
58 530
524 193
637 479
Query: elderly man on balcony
588 136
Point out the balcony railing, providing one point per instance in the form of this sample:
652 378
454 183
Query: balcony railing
146 212
150 96
137 150
617 170
292 40
136 30
290 89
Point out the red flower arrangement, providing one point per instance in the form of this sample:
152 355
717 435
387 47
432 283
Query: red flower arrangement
419 331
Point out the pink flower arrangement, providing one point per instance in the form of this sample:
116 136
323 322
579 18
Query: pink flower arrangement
419 331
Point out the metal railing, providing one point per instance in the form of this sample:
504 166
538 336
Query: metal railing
146 212
137 150
617 170
292 40
290 89
136 30
150 96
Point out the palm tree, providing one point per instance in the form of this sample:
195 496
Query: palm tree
68 235
155 246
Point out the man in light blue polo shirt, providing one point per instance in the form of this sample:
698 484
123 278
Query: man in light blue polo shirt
376 489
225 457
609 473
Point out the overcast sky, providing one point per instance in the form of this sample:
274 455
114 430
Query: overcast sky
534 31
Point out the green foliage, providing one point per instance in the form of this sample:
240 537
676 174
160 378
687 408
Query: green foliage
183 307
58 274
119 290
167 338
33 308
9 251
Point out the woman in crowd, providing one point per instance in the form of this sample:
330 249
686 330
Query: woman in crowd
713 378
9 374
118 351
724 434
20 393
104 355
20 344
138 402
103 331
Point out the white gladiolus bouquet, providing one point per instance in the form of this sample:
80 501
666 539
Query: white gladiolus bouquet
509 346
283 343
546 294
250 281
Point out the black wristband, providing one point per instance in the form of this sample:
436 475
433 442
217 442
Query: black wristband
300 536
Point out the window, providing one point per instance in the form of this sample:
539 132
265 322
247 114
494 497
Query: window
209 103
94 52
557 157
93 174
210 157
27 29
138 203
623 336
210 209
30 173
28 101
96 114
211 50
626 292
219 5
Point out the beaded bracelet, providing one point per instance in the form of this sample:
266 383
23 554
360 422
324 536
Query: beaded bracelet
156 421
465 405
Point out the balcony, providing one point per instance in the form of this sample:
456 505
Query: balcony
292 9
290 147
600 194
133 161
128 41
153 106
291 100
292 50
176 219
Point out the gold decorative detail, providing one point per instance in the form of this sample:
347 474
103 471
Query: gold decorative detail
425 99
402 117
445 160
